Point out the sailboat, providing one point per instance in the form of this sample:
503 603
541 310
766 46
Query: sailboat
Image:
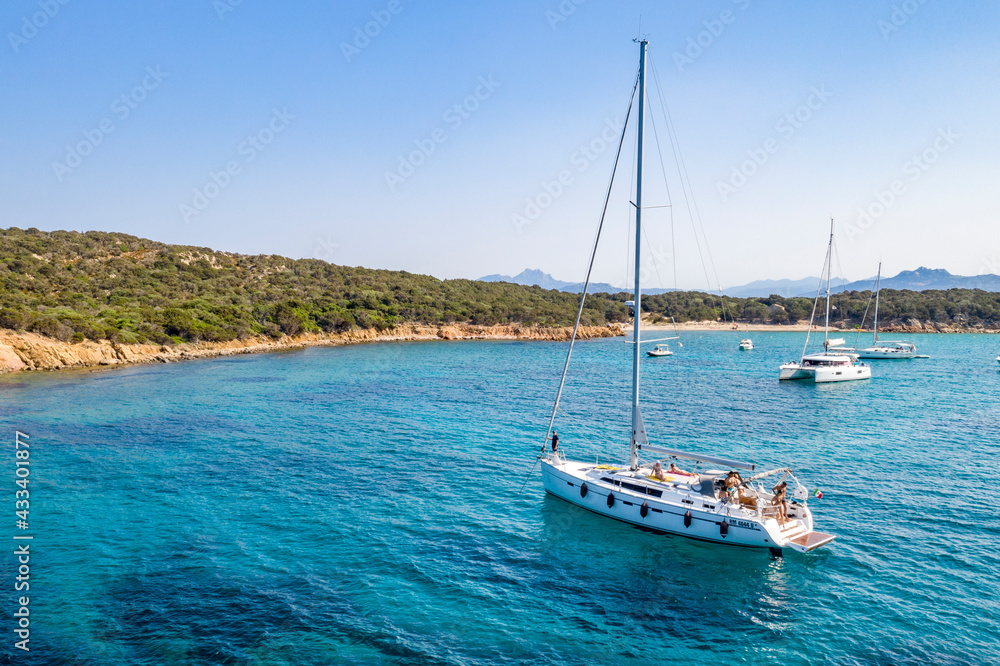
712 502
885 348
834 363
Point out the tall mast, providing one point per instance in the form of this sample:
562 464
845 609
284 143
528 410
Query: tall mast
636 419
829 278
878 284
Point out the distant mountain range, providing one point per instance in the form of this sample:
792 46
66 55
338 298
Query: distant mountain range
535 277
927 278
918 280
786 288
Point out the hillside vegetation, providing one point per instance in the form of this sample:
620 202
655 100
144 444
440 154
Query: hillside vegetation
954 308
73 286
98 285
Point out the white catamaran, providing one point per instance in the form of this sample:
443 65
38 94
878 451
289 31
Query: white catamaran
834 363
712 503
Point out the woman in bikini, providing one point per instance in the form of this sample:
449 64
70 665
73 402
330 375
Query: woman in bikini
780 500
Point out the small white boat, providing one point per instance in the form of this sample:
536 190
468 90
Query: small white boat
660 350
998 359
746 344
835 363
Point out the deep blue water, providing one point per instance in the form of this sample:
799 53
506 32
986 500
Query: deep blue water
364 504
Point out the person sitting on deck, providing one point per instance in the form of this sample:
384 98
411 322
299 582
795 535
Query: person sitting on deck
780 500
658 472
731 486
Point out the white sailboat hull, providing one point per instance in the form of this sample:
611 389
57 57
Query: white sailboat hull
822 375
886 352
666 513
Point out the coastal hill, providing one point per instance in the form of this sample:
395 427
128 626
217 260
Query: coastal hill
96 285
74 287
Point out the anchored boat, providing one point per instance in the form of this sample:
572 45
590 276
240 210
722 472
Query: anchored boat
713 501
834 363
886 349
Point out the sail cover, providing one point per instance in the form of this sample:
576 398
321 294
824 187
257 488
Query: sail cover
639 435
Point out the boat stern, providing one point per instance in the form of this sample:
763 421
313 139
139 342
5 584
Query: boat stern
809 541
794 371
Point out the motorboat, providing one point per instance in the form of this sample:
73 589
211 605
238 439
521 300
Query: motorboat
746 344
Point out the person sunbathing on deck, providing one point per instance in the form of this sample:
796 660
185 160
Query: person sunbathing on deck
675 470
658 472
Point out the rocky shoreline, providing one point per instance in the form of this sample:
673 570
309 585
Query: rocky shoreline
28 351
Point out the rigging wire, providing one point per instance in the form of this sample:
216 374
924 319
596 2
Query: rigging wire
586 284
857 337
625 402
695 216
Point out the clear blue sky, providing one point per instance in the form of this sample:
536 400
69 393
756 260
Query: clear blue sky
311 127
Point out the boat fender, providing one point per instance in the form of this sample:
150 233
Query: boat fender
583 489
611 500
724 528
644 509
687 519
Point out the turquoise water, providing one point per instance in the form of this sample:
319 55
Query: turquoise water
364 504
